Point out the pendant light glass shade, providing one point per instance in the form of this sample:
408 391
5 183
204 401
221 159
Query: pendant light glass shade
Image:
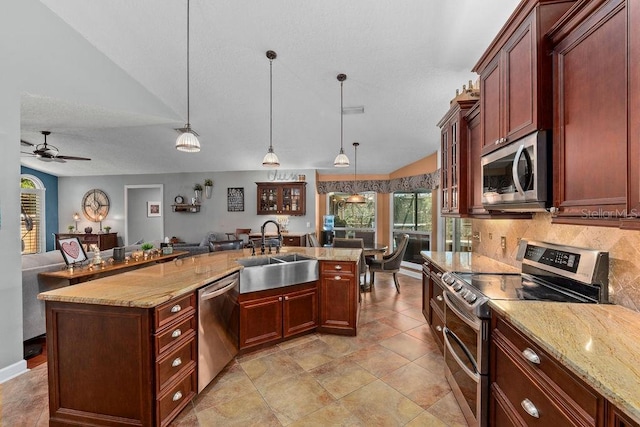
188 139
355 197
341 161
271 159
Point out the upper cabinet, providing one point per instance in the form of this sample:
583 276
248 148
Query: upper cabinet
453 151
515 75
597 150
275 198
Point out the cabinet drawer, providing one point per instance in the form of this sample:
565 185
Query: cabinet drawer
520 391
174 334
333 267
175 363
437 324
438 298
547 367
291 240
168 312
176 398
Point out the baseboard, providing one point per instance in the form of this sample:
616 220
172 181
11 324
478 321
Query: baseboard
13 371
416 274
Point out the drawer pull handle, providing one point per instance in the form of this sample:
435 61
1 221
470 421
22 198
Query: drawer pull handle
176 308
439 328
439 274
338 267
337 278
177 362
177 396
531 356
530 408
286 298
439 298
176 333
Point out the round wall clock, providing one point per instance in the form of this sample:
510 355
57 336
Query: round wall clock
179 200
95 203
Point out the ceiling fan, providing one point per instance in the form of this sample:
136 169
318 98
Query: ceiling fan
47 152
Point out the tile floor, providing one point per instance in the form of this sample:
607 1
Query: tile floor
391 374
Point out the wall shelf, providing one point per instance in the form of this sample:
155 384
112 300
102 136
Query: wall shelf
184 207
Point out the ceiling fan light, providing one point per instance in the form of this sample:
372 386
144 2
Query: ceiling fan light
188 142
270 159
356 198
341 161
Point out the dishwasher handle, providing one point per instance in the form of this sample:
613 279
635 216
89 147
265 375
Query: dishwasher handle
218 291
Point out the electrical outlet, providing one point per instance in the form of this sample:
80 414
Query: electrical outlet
477 236
308 225
503 242
490 236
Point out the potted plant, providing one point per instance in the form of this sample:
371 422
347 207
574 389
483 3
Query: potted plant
70 228
107 229
197 188
208 187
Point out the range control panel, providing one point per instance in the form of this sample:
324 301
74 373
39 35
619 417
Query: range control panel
563 260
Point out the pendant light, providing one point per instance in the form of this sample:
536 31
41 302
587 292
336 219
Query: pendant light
355 197
341 161
188 139
270 159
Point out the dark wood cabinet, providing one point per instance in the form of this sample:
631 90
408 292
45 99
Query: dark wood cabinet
103 240
530 387
454 159
592 167
294 240
433 301
633 204
617 419
515 75
281 198
276 314
111 365
339 305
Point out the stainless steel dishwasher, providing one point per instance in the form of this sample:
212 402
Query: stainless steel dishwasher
218 317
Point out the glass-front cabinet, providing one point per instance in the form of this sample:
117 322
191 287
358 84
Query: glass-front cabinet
281 198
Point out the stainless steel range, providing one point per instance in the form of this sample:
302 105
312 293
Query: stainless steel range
550 272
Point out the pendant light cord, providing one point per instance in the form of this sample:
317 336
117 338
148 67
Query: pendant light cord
341 118
355 165
270 104
188 87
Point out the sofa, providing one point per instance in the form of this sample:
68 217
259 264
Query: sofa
33 312
210 242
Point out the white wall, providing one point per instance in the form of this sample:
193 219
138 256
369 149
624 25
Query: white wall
190 227
141 226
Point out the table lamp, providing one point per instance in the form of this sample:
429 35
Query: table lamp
76 218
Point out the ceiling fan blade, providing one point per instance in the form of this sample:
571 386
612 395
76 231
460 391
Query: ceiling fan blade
28 144
72 158
25 152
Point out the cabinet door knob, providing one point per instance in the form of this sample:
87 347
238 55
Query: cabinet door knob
531 356
530 408
177 396
337 278
176 362
439 298
439 328
497 142
176 333
176 308
439 274
286 298
338 267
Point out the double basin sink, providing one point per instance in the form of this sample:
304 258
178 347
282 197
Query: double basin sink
274 271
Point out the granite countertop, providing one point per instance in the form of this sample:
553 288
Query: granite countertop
600 343
151 286
468 261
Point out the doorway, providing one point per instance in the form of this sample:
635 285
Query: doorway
143 213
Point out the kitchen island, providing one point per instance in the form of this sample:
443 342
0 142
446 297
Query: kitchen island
122 350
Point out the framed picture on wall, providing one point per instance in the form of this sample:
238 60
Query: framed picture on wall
72 250
154 209
235 199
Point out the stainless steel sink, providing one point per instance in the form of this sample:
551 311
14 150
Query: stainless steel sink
269 272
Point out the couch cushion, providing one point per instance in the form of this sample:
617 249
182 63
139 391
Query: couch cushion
209 237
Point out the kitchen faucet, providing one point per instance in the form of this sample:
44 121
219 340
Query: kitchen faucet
262 243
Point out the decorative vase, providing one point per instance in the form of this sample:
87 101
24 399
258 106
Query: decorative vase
207 191
198 195
88 230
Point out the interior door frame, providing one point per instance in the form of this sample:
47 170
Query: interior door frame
126 205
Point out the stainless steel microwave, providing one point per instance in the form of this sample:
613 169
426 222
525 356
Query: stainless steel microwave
515 177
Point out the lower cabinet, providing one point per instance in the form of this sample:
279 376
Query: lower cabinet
276 314
111 365
339 306
530 387
433 301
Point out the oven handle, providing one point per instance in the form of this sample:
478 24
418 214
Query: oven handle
474 323
446 332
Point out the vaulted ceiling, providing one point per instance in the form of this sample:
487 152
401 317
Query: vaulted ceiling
404 61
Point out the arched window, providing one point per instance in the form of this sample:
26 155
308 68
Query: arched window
32 215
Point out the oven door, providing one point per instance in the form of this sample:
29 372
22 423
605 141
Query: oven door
465 353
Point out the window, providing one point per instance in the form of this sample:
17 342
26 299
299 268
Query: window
354 219
412 213
32 228
457 235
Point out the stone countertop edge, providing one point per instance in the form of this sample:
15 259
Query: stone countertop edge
603 347
468 262
151 286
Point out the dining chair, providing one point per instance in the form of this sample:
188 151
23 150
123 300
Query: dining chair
240 232
390 263
341 242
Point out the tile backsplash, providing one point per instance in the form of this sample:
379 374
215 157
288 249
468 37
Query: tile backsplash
623 247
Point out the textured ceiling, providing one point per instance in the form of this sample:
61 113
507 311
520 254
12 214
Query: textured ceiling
404 61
